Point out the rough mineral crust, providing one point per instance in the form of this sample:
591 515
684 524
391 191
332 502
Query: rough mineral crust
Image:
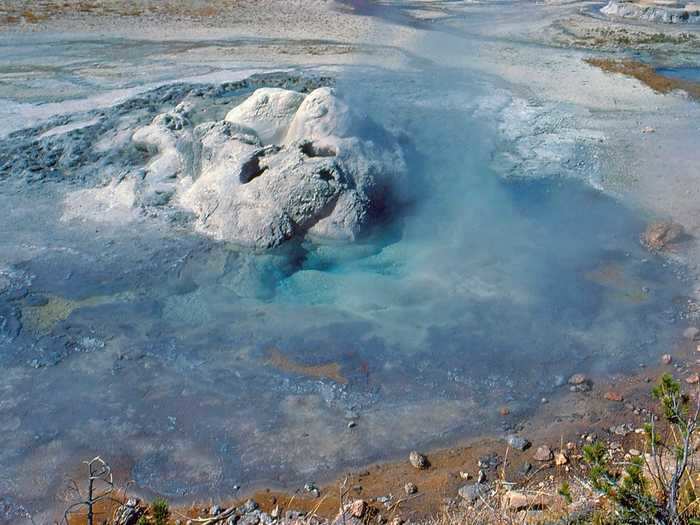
668 12
169 139
281 164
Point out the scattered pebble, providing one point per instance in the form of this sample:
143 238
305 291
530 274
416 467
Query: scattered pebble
622 429
472 492
312 489
543 453
517 442
666 359
410 488
358 508
560 459
577 379
692 379
418 460
613 396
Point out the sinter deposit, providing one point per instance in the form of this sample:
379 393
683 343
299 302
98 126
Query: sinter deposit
280 164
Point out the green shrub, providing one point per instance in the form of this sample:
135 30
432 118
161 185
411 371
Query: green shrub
657 492
160 511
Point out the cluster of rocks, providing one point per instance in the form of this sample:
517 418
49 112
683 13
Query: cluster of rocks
280 164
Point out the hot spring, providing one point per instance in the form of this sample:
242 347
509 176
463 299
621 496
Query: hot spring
197 365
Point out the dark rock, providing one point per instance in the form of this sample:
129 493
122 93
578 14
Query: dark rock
517 442
489 461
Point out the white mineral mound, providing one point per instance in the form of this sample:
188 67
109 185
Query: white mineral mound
281 164
284 164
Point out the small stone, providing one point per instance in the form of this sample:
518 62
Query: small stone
352 424
472 492
514 500
634 452
613 396
465 475
409 488
560 459
570 445
648 129
666 359
583 387
525 468
577 379
312 489
544 400
504 411
692 379
517 442
418 460
622 429
248 507
543 453
358 508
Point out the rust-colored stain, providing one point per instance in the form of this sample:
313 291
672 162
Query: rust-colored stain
612 276
647 75
324 371
607 275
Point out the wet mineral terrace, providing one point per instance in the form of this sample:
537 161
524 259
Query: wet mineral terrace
195 366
